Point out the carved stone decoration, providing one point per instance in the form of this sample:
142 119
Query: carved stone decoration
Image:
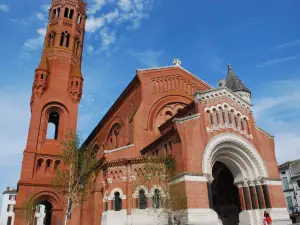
174 82
167 112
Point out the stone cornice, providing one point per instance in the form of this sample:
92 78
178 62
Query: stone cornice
219 93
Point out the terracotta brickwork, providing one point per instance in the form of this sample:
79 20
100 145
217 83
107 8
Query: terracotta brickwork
56 92
163 111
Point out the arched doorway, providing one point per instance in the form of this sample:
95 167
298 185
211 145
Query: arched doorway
225 195
43 213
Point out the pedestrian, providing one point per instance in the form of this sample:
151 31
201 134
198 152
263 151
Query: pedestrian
267 219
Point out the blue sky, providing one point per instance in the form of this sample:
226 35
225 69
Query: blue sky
261 40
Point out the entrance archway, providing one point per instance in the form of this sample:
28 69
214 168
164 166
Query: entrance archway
43 213
225 195
243 166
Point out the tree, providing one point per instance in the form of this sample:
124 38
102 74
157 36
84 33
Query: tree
79 162
165 201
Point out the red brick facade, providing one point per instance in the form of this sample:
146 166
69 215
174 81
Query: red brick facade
157 114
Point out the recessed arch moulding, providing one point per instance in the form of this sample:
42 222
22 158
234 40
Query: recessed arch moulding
238 154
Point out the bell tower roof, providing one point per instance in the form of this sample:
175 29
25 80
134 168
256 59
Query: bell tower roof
234 83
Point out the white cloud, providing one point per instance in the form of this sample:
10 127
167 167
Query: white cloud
108 38
288 45
96 6
150 57
90 49
125 5
276 61
94 23
25 55
111 16
4 8
128 12
278 112
35 43
40 16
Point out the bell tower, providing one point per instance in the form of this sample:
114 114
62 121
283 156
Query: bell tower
56 93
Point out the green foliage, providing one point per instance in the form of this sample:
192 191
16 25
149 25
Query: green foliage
74 176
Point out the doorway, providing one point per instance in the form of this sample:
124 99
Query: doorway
225 195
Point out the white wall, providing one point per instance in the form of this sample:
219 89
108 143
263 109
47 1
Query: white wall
4 213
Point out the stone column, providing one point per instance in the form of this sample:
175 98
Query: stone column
253 195
209 191
242 199
261 202
247 197
266 196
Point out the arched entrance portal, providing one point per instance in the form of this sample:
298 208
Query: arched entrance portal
225 195
43 213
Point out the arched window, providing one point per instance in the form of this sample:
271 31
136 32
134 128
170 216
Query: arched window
113 136
94 151
79 19
66 15
40 163
229 117
62 38
142 200
71 14
68 40
170 146
42 76
212 119
53 122
56 165
117 201
76 44
76 83
156 199
218 117
55 13
168 115
236 120
48 163
166 149
51 39
65 39
242 124
224 117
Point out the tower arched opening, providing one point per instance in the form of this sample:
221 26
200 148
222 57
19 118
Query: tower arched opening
53 123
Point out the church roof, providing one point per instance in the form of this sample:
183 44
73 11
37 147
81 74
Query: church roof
234 83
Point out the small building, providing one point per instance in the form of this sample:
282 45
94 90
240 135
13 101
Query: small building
7 209
290 177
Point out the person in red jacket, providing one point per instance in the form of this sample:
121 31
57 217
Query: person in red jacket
267 218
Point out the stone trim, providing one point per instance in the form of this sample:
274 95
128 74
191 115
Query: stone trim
241 145
196 178
117 149
221 92
187 118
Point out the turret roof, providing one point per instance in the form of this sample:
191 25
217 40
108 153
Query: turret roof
234 83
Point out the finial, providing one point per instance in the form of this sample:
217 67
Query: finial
176 62
229 67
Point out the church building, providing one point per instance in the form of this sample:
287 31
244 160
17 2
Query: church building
226 168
